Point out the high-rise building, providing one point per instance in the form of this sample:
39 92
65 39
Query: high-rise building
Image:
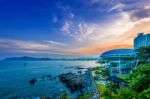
141 40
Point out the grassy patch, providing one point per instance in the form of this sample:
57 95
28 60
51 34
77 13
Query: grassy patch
124 77
101 89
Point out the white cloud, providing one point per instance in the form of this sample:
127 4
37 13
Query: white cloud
66 27
94 33
118 34
118 7
54 43
47 47
147 7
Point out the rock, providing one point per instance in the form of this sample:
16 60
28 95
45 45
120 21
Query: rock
72 81
48 76
33 81
55 77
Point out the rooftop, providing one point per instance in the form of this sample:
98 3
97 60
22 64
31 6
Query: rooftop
119 52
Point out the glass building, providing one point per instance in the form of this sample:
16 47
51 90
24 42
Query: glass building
120 61
141 40
123 61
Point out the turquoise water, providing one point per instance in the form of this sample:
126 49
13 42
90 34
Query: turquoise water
15 76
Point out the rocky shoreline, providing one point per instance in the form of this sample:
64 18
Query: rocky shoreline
79 82
72 81
82 83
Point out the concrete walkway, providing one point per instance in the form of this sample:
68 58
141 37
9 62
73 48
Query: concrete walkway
91 85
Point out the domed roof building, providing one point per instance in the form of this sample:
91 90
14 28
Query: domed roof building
123 61
119 52
120 61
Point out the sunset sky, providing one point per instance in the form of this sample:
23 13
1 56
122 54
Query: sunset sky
70 28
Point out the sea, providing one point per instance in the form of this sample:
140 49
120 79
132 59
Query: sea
15 77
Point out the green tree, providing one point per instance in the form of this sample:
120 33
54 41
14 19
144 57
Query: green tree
140 79
127 94
105 72
145 94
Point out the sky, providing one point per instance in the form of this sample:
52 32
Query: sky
70 28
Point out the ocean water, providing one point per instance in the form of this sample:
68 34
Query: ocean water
15 76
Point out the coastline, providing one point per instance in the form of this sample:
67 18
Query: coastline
97 93
40 71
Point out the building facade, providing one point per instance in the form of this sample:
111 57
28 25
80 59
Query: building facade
141 40
120 61
123 61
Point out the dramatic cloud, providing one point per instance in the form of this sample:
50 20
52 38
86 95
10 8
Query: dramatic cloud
99 37
97 32
73 27
137 9
123 40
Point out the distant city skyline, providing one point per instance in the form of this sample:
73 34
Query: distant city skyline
70 28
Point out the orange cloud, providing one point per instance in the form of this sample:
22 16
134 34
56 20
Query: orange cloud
125 40
142 26
97 49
